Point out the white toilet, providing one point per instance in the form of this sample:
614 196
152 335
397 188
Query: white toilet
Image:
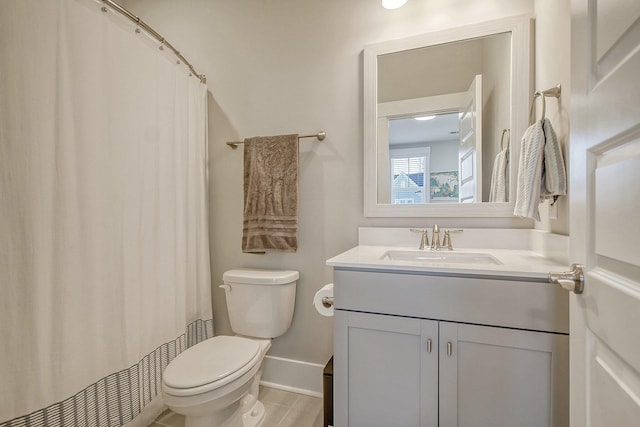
215 383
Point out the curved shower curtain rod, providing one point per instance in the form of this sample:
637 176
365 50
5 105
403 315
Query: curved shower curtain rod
163 42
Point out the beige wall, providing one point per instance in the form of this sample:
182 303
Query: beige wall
430 71
553 66
443 156
285 66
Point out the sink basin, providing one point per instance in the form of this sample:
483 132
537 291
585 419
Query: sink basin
441 257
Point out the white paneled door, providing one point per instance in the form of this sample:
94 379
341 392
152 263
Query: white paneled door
605 212
470 151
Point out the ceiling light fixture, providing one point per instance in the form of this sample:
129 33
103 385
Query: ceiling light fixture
423 118
393 4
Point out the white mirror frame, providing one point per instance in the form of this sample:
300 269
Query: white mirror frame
520 28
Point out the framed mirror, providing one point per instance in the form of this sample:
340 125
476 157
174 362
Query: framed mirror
438 109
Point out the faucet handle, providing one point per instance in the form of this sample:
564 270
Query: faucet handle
446 240
424 241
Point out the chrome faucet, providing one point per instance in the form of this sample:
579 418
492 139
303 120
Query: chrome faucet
435 238
424 240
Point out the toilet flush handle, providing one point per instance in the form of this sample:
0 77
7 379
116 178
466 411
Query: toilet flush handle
225 287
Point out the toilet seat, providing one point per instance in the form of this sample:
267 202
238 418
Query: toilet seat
210 364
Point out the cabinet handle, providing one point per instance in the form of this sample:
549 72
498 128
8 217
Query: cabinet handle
449 349
429 345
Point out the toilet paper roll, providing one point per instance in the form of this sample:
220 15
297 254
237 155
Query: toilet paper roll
324 307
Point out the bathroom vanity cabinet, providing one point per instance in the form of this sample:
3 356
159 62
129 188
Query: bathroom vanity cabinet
434 350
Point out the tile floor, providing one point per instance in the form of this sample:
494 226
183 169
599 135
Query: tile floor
284 409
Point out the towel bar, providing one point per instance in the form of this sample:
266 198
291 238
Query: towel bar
319 136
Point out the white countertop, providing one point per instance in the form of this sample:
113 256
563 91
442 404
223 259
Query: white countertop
516 263
522 253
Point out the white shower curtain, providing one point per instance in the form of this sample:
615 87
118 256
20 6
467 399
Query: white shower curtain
104 256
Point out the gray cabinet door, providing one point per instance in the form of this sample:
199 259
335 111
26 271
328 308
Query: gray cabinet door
385 375
498 377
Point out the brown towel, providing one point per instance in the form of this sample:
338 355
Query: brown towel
270 194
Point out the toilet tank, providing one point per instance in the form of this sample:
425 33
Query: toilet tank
260 302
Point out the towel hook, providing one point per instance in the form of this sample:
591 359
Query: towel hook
532 110
553 92
508 132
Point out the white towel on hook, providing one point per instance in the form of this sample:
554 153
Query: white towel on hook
498 192
530 172
554 175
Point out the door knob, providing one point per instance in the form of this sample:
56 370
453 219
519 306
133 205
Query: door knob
572 281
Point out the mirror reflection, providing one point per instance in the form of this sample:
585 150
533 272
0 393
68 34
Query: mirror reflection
441 111
423 159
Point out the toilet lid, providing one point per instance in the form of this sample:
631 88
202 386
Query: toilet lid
210 361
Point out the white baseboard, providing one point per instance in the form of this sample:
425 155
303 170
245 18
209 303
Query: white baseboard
292 375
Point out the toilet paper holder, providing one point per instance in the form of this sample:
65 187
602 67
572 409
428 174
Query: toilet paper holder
327 302
323 300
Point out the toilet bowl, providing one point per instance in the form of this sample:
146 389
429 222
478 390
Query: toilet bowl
208 382
215 383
